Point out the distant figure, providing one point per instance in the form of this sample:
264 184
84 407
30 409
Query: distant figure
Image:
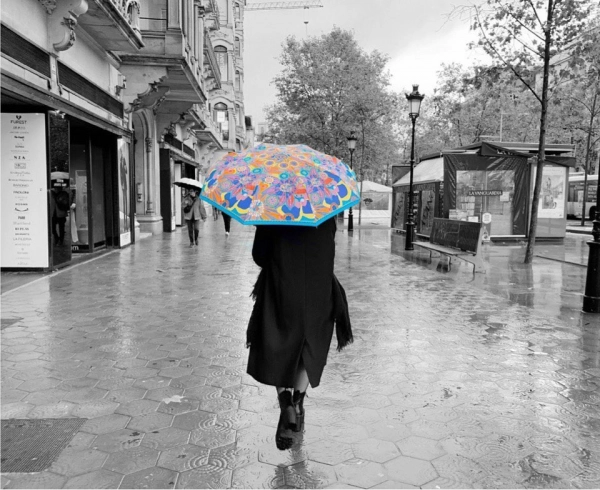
297 301
60 211
227 223
193 212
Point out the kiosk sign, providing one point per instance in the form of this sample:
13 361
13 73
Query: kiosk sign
24 191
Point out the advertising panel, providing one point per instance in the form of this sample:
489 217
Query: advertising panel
124 193
552 193
24 191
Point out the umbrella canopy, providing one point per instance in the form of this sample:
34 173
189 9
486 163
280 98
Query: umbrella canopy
59 175
187 183
281 185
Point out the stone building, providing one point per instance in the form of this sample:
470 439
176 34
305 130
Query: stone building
120 98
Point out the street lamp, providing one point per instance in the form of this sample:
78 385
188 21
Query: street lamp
591 297
414 102
351 147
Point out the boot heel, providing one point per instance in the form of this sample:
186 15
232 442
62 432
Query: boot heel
287 420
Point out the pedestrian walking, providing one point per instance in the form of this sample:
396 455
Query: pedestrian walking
227 223
194 211
297 301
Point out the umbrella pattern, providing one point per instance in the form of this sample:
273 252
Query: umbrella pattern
281 184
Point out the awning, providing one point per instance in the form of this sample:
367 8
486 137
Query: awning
427 171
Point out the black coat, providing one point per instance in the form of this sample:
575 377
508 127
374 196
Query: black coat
298 299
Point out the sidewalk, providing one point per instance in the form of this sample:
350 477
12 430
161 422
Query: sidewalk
454 380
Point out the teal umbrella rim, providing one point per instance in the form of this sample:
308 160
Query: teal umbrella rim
280 223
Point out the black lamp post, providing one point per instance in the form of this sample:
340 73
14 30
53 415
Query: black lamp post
414 101
351 147
591 297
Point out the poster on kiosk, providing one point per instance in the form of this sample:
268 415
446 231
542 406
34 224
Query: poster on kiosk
24 191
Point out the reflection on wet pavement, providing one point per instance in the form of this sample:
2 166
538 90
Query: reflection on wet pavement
454 379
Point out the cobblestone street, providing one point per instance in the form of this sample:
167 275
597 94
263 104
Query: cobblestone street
449 383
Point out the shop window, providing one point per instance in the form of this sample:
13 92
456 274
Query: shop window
480 191
221 119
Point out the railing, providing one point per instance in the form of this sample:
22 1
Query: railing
129 9
153 24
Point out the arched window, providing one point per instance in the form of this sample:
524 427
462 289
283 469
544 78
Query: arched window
238 47
223 62
238 80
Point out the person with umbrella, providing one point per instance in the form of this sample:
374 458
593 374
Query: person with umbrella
193 211
298 299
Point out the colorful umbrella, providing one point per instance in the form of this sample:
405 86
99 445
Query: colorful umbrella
281 185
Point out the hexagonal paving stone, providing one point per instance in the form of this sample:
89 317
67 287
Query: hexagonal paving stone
309 474
138 407
329 451
155 477
212 437
75 461
399 485
375 450
458 469
131 460
175 372
206 476
55 410
38 384
258 475
202 392
183 458
96 479
410 470
190 381
162 439
140 373
236 419
152 383
361 473
179 406
428 429
150 421
232 457
126 395
160 394
218 405
194 420
44 479
78 384
105 424
269 453
421 448
84 395
118 440
94 408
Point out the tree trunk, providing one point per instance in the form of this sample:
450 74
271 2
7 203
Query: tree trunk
542 142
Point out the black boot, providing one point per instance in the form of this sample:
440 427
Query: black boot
287 420
299 407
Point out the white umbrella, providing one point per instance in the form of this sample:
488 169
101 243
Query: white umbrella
188 183
59 175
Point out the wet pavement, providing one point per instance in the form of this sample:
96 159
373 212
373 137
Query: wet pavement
455 379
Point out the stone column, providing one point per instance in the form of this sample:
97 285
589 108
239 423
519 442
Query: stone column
149 176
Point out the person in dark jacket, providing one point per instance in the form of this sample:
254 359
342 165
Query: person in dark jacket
227 223
193 212
298 300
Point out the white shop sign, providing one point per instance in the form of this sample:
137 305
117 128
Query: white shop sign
24 191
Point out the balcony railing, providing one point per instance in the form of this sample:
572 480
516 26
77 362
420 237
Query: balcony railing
153 24
114 24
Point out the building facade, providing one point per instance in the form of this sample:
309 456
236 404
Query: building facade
105 103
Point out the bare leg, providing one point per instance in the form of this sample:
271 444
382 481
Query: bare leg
301 383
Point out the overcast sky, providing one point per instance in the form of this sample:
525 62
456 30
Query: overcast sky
416 34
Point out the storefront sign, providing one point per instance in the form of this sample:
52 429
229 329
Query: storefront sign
24 191
484 192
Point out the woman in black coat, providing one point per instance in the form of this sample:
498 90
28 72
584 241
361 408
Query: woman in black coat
298 300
